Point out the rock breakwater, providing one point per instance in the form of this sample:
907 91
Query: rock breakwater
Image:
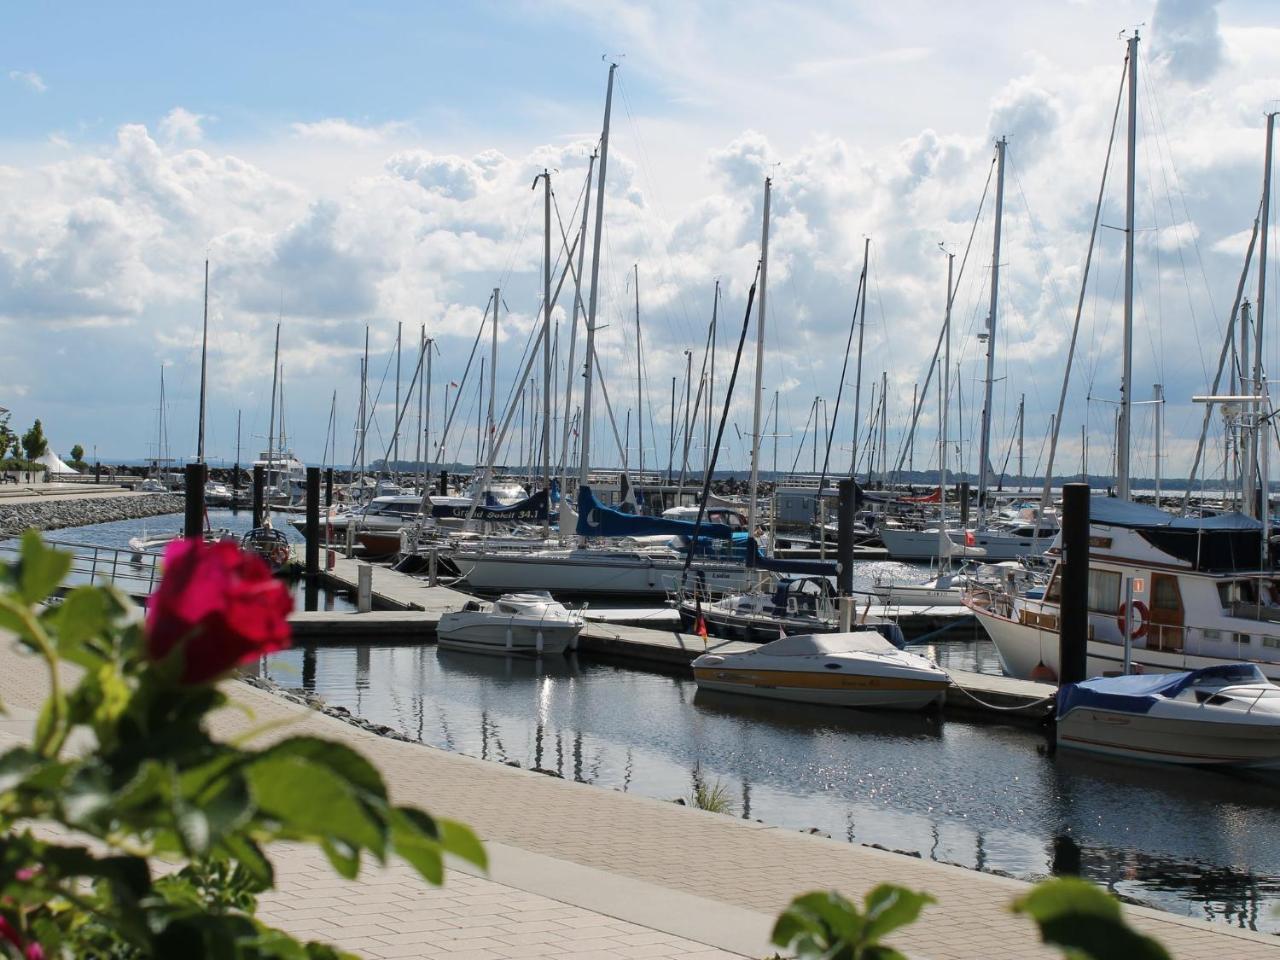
59 512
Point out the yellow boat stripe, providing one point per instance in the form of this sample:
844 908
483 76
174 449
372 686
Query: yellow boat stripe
805 680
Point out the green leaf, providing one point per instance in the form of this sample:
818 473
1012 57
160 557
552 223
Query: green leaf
311 801
890 907
819 924
415 838
458 840
40 569
338 758
344 857
1075 915
83 617
251 859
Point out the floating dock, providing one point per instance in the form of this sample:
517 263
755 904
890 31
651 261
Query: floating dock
408 610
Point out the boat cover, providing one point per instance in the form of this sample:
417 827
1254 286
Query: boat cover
1138 694
597 520
827 644
756 560
1225 542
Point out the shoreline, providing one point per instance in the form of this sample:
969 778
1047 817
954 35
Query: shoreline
77 511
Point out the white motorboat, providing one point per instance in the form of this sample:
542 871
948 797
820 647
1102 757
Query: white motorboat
859 669
946 589
1220 716
152 485
1200 597
515 623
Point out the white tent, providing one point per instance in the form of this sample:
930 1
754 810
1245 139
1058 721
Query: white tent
53 463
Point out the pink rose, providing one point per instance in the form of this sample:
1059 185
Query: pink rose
220 604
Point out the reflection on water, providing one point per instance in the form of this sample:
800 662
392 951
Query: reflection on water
1200 843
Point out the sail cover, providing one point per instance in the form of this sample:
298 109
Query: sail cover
529 509
597 520
756 560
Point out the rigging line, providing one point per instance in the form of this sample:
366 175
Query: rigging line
848 348
1084 283
1158 114
1155 229
646 170
724 416
902 450
444 435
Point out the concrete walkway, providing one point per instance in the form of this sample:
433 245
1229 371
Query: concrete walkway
579 870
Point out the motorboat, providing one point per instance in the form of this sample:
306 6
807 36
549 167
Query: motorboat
217 494
515 623
1226 715
859 669
1193 592
152 485
796 605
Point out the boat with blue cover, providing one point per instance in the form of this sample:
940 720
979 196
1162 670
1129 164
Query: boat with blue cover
1226 715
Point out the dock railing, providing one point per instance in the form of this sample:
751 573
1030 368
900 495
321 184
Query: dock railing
134 572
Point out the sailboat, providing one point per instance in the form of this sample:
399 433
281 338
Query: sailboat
1020 533
1166 593
589 570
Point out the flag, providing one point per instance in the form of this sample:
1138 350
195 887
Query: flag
452 383
699 623
969 539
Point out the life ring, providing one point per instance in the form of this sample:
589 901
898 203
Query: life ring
1140 619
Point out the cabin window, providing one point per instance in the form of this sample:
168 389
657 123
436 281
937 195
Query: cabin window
1164 594
1053 592
1104 590
1244 640
1214 635
1271 642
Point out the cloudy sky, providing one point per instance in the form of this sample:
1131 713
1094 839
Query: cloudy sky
357 167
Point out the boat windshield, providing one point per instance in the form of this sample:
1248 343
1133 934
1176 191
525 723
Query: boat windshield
1229 673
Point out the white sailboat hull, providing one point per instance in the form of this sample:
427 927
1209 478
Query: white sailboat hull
584 573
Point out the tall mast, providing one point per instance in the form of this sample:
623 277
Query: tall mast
944 401
364 407
857 379
426 415
688 382
639 381
235 482
546 349
1257 435
570 374
395 432
984 447
424 391
584 468
711 373
271 421
204 352
1022 426
493 377
760 322
1126 384
1157 394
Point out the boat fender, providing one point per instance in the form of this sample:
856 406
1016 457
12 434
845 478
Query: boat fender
539 642
1140 616
508 636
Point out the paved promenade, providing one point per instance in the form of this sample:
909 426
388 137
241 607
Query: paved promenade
579 870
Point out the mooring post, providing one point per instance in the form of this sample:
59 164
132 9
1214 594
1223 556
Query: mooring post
259 481
193 525
963 487
364 588
444 483
97 472
844 551
313 523
1073 620
328 487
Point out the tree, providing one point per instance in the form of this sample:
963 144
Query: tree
34 442
8 439
77 454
